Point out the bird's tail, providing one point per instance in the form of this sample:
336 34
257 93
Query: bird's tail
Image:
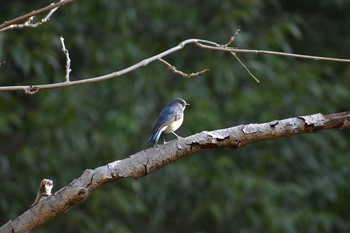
154 137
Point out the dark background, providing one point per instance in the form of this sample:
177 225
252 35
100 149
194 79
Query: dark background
296 184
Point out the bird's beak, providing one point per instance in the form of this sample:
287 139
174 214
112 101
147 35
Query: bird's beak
187 104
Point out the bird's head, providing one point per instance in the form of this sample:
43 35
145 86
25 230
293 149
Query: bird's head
178 102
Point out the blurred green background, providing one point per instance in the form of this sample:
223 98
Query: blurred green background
296 184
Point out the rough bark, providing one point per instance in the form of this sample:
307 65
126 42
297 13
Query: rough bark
149 160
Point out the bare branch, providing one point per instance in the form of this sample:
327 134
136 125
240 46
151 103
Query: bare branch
234 50
152 159
205 44
185 75
12 24
68 69
145 62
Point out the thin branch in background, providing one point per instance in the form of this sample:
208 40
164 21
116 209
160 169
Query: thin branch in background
68 69
176 71
308 57
15 23
32 89
204 44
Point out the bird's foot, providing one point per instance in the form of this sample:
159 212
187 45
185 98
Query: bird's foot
178 137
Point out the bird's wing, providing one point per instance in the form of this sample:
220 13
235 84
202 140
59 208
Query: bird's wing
164 120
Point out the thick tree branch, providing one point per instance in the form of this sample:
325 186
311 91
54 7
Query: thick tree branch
149 160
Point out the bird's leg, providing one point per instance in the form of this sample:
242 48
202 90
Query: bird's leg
178 137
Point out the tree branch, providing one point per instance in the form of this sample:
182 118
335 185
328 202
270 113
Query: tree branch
235 50
205 44
29 17
149 160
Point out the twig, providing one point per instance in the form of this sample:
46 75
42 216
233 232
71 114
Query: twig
232 39
185 75
68 69
29 17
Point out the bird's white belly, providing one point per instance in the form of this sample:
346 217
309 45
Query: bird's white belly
174 125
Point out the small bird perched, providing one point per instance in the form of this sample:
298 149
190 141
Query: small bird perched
169 119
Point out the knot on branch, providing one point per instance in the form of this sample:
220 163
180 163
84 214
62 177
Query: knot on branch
31 90
44 190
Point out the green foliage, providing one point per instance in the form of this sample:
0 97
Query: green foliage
296 184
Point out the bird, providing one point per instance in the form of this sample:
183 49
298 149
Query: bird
169 120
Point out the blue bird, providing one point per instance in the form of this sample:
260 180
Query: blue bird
169 120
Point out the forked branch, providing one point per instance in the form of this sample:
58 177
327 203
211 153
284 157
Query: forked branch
204 44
